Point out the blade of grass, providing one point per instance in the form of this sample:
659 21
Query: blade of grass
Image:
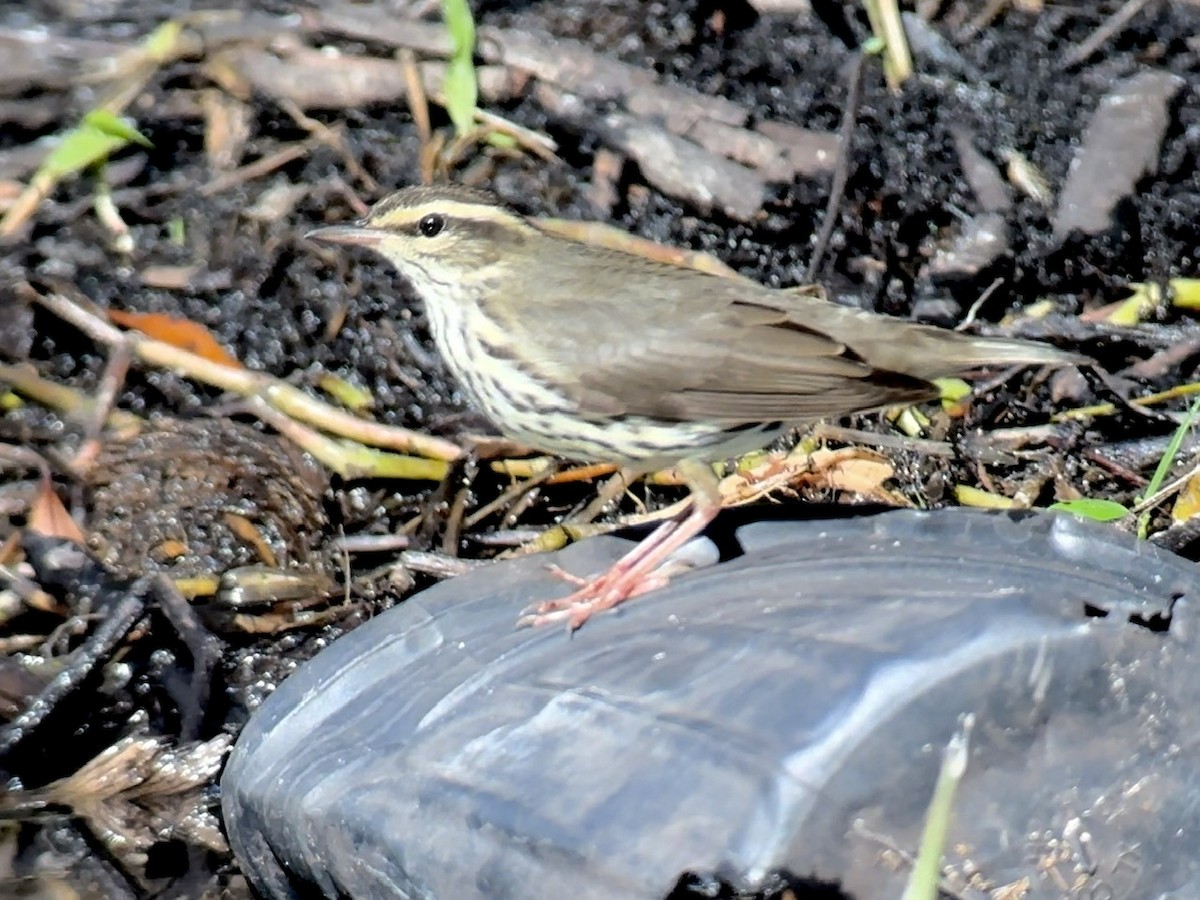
1164 464
923 883
888 29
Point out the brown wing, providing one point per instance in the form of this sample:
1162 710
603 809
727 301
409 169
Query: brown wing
676 344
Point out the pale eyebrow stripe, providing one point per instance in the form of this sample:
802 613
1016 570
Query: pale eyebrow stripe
451 209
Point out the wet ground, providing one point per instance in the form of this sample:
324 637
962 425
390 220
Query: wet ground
962 185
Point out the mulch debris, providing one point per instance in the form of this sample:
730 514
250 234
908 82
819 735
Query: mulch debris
1036 171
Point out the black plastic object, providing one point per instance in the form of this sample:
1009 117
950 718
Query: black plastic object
784 710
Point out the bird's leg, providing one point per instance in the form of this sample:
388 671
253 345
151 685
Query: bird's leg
657 536
638 570
609 491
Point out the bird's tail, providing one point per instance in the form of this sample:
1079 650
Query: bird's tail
955 352
926 351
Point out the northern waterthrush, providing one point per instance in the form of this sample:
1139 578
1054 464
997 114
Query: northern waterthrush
592 353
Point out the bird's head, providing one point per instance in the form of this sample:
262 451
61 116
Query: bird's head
439 237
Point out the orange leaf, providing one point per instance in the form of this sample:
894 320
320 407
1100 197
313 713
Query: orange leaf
48 516
182 333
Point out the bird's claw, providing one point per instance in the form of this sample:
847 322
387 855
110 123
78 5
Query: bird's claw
559 572
596 595
574 609
574 617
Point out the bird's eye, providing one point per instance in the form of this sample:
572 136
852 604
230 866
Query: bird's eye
431 225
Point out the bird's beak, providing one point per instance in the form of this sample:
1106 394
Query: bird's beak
362 235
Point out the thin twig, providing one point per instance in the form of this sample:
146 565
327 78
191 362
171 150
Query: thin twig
260 167
332 137
613 488
1165 491
111 383
978 305
510 495
250 384
827 432
841 174
418 108
458 508
1108 28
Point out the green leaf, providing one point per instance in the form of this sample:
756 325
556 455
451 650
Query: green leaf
502 141
981 499
1136 308
460 85
162 44
1087 508
79 148
951 390
460 24
114 126
874 46
349 395
460 89
93 140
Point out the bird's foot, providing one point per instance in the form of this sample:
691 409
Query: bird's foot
644 568
605 591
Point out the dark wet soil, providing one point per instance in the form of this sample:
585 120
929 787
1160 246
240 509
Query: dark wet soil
284 307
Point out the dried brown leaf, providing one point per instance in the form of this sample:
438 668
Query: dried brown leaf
182 333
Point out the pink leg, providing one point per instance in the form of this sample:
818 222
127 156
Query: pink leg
634 573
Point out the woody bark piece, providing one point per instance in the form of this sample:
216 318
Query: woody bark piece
687 171
1120 146
314 80
496 83
576 68
810 152
374 23
989 188
981 240
45 61
567 63
673 164
749 148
